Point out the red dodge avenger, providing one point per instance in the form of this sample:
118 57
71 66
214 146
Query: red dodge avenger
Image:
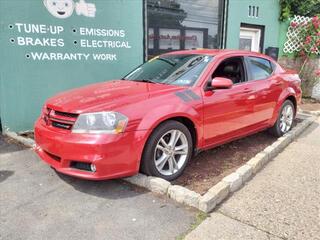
165 111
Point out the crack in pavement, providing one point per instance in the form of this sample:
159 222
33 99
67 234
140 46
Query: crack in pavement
253 226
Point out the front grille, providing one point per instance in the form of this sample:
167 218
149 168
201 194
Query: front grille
64 114
58 119
81 166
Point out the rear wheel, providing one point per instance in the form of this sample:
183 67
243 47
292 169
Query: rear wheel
167 151
285 119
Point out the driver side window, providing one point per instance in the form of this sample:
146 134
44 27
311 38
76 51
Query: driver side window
231 68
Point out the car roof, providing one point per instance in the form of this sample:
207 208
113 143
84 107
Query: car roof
220 52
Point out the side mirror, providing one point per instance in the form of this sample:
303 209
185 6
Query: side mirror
221 83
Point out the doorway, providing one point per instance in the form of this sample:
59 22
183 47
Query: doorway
251 37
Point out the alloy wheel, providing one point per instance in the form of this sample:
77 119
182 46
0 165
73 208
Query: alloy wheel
286 118
171 152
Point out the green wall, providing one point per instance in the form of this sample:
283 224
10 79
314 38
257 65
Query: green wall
283 36
268 16
26 82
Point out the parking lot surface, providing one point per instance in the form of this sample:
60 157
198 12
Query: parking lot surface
38 203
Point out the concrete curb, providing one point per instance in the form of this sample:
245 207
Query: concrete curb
216 194
315 113
29 142
231 183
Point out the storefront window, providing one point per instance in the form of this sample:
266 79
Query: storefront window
183 24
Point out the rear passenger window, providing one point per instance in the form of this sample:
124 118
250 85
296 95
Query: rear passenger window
258 68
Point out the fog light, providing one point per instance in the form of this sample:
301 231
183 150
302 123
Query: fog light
93 167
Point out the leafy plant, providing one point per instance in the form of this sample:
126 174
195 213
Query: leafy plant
307 33
297 7
309 36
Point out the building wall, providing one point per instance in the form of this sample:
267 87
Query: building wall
283 29
268 17
26 82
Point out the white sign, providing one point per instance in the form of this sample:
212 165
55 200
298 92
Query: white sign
193 39
169 38
65 8
54 36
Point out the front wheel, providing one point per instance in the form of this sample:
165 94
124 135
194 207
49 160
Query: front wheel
167 151
285 119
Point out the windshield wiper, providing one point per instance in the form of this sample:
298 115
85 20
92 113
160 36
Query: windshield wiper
145 80
172 63
139 80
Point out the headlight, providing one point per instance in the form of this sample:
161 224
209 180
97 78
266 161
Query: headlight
100 122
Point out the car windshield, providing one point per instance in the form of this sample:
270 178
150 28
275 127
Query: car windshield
181 70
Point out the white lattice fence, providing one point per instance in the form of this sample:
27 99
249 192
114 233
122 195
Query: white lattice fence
293 43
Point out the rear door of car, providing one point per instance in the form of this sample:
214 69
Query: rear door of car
267 87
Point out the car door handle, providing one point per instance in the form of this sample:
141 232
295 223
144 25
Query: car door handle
277 83
247 90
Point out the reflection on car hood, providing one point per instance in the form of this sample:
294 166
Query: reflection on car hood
106 96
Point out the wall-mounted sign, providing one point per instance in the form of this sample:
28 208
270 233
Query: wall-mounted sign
58 37
65 8
54 36
53 45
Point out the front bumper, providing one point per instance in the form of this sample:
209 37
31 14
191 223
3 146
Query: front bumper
114 156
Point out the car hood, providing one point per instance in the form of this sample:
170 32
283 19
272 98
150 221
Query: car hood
106 96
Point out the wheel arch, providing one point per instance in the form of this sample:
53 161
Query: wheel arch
276 128
185 120
289 95
293 99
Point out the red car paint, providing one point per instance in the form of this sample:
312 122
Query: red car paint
218 116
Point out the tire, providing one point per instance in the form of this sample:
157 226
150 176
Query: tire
278 129
161 156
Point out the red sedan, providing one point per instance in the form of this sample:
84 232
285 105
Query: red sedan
163 112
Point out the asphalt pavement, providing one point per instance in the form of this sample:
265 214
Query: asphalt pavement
38 203
9 146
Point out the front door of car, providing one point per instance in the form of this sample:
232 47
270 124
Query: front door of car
228 111
267 87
